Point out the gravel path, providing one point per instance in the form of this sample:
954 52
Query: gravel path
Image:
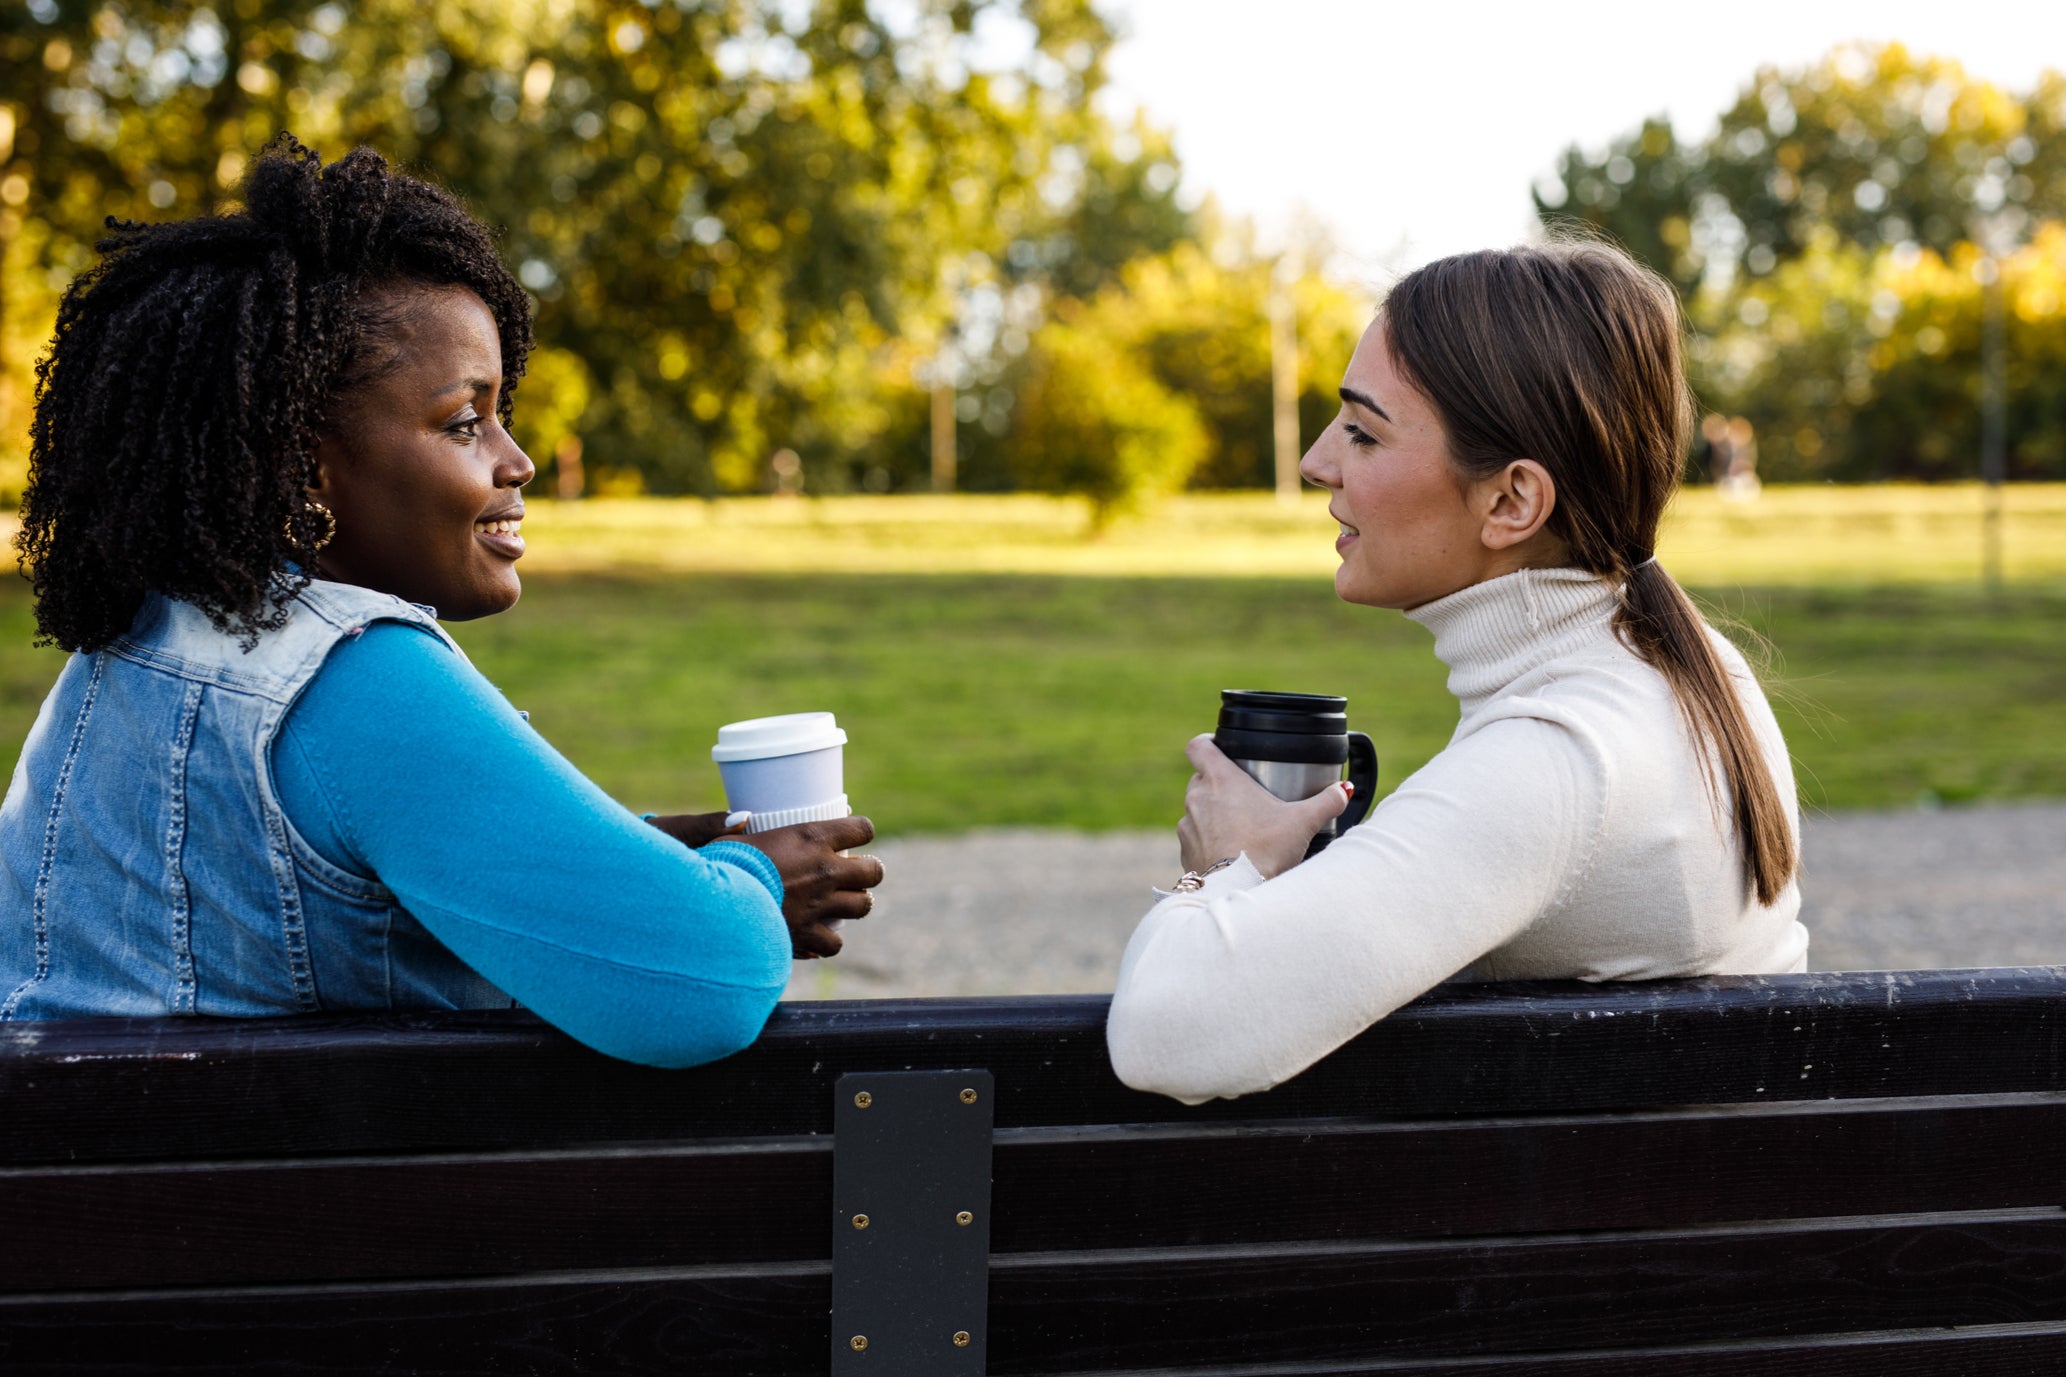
1048 912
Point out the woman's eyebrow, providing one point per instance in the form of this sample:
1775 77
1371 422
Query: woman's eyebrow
473 385
1351 395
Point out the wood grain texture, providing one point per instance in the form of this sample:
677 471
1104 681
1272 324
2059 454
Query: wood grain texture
1054 1314
773 1323
769 1200
1161 1186
370 1219
110 1090
1983 1351
1157 1309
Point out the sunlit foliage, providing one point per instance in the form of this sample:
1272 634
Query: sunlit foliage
749 225
1195 323
1834 238
1861 363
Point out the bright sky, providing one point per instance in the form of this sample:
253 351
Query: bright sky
1415 128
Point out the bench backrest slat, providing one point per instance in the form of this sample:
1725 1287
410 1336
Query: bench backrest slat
1715 1175
472 1082
760 1201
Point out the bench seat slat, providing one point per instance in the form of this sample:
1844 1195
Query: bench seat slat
2008 1350
1114 1188
1468 1298
1052 1315
408 1217
770 1200
741 1326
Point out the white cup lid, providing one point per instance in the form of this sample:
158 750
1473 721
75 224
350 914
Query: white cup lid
790 734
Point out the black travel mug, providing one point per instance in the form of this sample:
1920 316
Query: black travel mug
1294 745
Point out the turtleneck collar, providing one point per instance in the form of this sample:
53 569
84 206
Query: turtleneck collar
1492 633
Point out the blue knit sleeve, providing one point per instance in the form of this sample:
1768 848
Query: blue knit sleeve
399 761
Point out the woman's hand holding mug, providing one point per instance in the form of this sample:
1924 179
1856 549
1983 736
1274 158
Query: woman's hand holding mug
819 885
1226 813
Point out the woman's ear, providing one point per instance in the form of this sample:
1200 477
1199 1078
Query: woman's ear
1515 504
319 483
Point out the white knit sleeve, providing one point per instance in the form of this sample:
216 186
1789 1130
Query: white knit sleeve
1238 987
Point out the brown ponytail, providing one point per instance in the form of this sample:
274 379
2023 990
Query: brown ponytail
1569 354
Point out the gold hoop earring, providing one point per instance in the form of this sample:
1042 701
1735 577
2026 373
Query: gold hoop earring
319 513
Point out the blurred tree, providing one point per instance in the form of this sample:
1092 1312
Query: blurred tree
1860 363
1125 209
1093 420
1642 192
1827 237
1878 145
756 224
1196 319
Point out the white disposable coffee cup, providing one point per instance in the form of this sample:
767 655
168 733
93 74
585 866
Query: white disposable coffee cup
783 770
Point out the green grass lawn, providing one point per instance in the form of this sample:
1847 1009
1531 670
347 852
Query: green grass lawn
1821 536
984 699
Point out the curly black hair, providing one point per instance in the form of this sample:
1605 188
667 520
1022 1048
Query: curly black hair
178 407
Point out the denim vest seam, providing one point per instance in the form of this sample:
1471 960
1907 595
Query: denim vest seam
286 873
48 861
180 667
317 600
318 868
183 997
321 870
292 861
293 932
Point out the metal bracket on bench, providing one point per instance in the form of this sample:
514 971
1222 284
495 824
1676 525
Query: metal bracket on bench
911 1223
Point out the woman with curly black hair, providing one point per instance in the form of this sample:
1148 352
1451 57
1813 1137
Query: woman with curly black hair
268 453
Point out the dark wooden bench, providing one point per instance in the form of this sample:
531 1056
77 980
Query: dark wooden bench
1829 1174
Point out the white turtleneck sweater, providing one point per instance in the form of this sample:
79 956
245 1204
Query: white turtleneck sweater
1565 832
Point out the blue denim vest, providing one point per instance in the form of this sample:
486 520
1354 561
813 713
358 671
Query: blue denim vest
146 866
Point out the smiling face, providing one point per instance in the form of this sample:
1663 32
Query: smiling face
423 480
1409 531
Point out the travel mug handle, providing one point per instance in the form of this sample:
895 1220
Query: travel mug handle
1362 774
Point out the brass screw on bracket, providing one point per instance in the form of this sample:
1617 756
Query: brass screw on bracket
864 1099
968 1097
961 1338
860 1221
964 1218
858 1342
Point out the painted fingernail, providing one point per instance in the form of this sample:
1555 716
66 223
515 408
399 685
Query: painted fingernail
738 819
1348 788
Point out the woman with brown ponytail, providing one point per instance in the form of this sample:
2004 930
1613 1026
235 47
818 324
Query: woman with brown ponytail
1616 803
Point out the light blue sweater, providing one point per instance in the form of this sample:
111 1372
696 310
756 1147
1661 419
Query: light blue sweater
401 762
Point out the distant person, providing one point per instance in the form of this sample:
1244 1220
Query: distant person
268 453
1711 446
1616 802
1733 456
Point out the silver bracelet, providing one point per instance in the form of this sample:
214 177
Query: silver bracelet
1194 880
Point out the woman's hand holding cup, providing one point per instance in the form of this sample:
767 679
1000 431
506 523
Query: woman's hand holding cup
819 884
785 775
1227 813
698 829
